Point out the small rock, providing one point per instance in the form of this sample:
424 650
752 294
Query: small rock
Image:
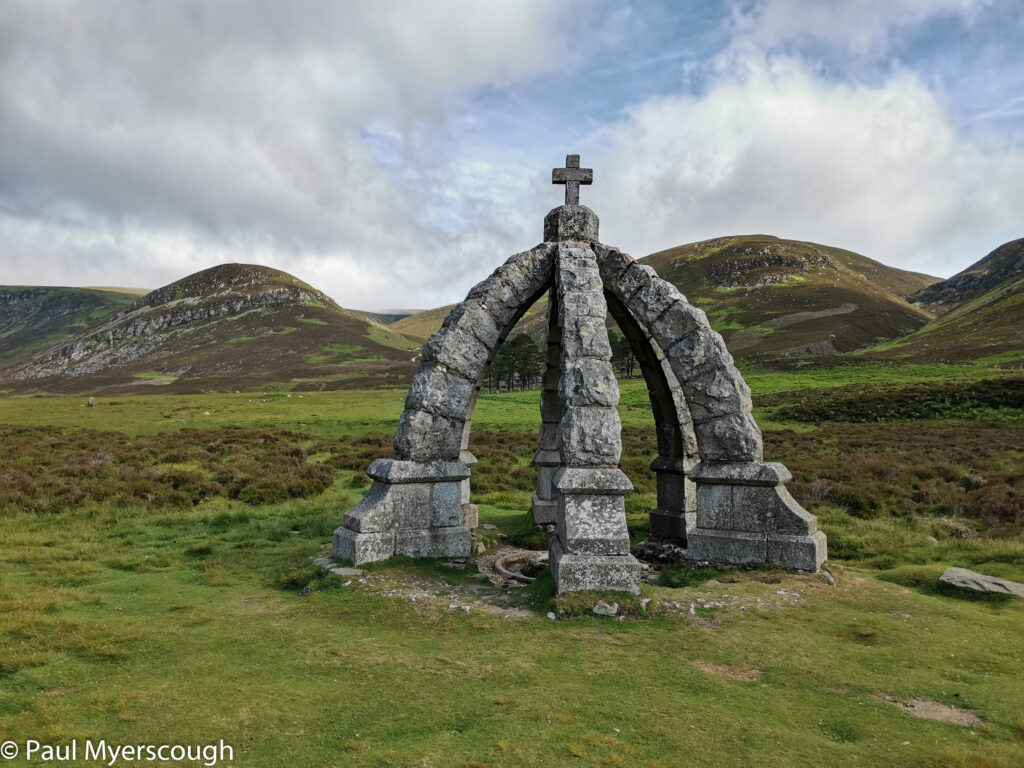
343 571
712 583
829 578
962 578
552 529
460 566
645 601
323 562
489 526
601 608
552 616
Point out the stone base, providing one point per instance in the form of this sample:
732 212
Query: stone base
454 541
805 553
670 526
578 573
359 548
734 547
544 510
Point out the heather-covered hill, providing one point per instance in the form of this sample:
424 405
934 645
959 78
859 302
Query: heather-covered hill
233 326
769 296
994 270
34 317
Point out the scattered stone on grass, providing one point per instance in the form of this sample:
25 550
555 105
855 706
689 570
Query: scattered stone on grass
601 608
961 578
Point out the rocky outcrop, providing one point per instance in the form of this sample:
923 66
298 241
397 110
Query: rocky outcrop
151 320
1000 265
754 267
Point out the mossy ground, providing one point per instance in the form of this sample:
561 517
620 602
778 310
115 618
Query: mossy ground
189 620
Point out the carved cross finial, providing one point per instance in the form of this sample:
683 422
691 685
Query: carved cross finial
572 176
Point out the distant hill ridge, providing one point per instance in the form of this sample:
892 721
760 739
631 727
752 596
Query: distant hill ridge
770 296
1000 265
233 325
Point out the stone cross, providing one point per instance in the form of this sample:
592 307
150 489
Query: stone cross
572 176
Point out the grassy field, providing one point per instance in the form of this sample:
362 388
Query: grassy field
156 587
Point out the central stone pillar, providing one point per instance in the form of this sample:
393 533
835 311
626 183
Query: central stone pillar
548 459
591 548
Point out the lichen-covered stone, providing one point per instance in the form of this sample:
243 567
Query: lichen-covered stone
395 471
388 507
588 382
612 264
586 337
437 389
592 524
590 437
455 541
424 436
580 573
735 547
632 280
805 553
470 317
678 320
457 350
577 270
584 304
571 222
497 298
734 437
446 505
592 480
653 299
470 516
359 548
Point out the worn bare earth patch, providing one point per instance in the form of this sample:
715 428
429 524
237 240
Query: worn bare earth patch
934 710
747 674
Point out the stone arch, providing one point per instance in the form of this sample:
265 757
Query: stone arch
716 395
438 409
677 443
418 502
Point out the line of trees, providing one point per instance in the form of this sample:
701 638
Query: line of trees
519 363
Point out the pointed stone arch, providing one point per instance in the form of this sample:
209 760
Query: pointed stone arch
710 449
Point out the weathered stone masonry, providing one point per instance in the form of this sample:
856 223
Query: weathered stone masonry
715 494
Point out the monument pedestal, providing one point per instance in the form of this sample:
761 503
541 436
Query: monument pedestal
413 508
591 549
746 515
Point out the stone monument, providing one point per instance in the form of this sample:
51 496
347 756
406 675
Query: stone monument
716 496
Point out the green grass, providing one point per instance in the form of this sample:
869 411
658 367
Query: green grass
193 614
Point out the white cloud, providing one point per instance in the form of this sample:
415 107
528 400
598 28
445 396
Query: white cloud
875 169
861 27
166 137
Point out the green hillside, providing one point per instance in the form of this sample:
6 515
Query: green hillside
770 297
990 325
34 317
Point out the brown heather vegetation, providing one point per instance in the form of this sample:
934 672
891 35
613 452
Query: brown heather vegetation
51 470
966 478
921 400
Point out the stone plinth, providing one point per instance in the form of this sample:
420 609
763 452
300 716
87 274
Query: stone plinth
591 550
412 508
746 515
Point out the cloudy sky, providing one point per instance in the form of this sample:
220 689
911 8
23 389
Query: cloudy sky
393 153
